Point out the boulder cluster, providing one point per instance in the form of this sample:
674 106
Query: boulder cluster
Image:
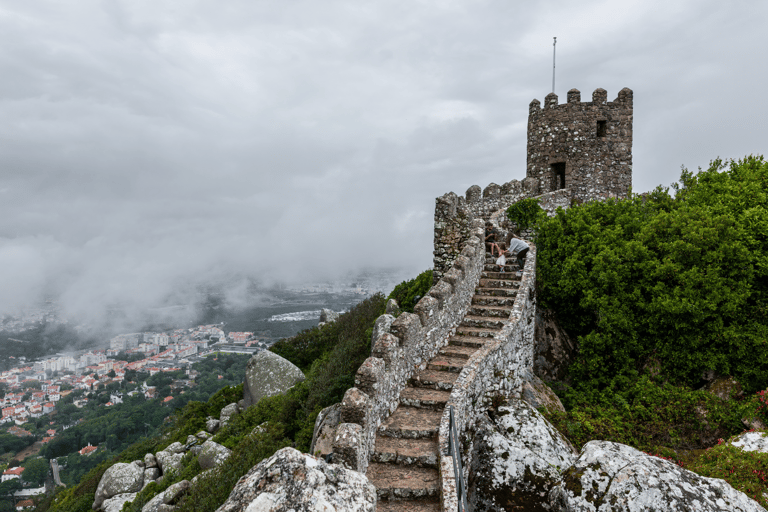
123 481
520 460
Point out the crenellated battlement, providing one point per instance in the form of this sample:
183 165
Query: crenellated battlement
585 147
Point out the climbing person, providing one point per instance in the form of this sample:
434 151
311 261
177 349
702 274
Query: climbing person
492 238
517 245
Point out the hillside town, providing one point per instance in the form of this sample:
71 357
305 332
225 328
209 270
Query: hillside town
33 388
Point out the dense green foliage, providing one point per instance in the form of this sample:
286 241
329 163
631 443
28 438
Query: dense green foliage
655 417
408 293
525 213
675 281
12 444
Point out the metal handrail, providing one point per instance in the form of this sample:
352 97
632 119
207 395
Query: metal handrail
453 452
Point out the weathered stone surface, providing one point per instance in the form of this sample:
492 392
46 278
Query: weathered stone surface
752 442
381 327
614 477
325 427
169 462
392 307
212 454
553 348
176 447
347 447
212 425
119 478
725 388
115 503
290 480
268 374
203 435
150 475
538 394
166 499
149 461
227 411
328 315
517 458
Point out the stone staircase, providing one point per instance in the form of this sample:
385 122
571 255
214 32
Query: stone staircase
404 463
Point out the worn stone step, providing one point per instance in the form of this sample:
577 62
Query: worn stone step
406 452
411 423
434 379
512 282
458 351
395 482
475 332
482 321
468 341
501 312
493 267
496 292
490 300
408 506
424 398
511 275
447 364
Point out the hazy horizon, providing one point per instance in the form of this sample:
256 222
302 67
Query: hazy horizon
150 149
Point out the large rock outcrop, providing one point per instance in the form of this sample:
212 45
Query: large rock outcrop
212 454
613 477
268 374
119 478
517 458
291 480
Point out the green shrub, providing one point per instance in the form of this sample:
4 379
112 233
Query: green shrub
525 213
681 280
406 293
654 417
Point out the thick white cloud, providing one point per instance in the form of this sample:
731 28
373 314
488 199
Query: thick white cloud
150 146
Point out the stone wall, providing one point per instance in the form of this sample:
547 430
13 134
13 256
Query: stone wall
582 146
495 369
410 341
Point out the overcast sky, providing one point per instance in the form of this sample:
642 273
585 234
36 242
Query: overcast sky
149 145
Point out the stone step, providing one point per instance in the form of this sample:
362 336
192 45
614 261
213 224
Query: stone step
490 311
408 506
499 283
468 341
424 398
512 275
458 351
475 332
496 292
411 423
490 300
406 452
482 322
493 267
447 364
434 379
395 482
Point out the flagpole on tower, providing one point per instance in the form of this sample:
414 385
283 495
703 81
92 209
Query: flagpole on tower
554 44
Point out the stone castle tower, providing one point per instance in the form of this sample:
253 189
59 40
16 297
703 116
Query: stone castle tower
584 147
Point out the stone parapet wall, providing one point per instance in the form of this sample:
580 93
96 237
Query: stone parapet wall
403 346
454 214
495 369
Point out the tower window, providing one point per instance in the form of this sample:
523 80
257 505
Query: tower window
558 175
601 128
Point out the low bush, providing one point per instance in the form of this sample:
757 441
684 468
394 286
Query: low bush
408 293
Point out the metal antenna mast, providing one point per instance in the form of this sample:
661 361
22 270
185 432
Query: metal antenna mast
554 45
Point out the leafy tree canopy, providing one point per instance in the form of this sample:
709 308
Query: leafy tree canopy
679 281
